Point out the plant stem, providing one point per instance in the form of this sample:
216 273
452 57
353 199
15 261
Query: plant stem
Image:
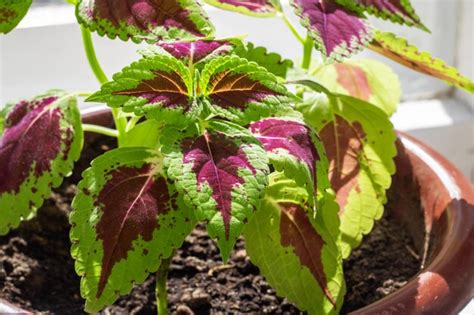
307 52
92 57
161 294
120 122
132 122
292 28
99 129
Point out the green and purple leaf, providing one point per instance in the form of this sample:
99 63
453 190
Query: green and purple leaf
290 147
398 11
11 13
126 218
337 32
159 86
40 141
150 20
240 90
222 173
259 8
399 50
359 141
296 252
196 51
365 79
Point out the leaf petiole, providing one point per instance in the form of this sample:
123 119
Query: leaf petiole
132 122
100 130
307 52
292 27
120 122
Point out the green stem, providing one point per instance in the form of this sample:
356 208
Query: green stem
132 122
161 294
292 28
99 129
307 52
92 57
120 122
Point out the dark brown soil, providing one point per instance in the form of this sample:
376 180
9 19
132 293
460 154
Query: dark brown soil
37 272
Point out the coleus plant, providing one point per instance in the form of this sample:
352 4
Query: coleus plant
208 131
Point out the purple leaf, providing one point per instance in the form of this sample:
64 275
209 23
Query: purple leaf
131 201
338 33
28 124
41 139
399 11
248 7
151 19
282 138
196 51
222 171
125 212
216 161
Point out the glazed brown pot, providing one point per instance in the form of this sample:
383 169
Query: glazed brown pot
444 230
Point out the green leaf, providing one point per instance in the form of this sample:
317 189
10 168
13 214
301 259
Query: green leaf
221 170
159 86
126 218
11 13
359 141
366 79
399 50
273 62
240 90
41 139
145 134
151 20
297 253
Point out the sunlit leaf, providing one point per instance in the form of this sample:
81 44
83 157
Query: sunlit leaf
366 79
298 253
126 218
359 141
399 50
41 139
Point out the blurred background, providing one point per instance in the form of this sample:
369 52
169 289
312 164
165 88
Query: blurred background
46 52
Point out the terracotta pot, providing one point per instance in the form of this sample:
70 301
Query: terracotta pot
444 230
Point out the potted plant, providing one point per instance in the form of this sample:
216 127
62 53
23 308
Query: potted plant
207 132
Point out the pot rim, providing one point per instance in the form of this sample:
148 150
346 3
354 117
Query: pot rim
460 220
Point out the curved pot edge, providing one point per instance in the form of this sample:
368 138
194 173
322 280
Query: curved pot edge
394 303
445 285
